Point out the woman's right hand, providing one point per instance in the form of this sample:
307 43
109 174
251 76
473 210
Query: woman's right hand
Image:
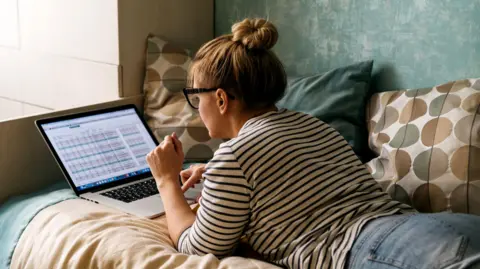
192 176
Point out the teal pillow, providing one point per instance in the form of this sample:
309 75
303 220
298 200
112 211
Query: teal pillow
338 98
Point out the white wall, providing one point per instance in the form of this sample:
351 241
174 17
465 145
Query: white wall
57 54
9 23
84 30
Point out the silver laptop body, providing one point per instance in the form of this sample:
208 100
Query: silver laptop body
102 154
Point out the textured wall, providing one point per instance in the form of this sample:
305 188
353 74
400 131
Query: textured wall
415 43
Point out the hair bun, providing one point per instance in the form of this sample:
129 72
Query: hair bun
255 33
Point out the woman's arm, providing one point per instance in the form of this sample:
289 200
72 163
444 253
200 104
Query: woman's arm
165 161
225 209
179 214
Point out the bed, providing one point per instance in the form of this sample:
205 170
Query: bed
43 224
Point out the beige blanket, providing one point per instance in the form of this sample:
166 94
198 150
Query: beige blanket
80 234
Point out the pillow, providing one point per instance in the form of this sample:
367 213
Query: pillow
428 142
165 108
338 98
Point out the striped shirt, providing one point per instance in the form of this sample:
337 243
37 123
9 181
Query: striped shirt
293 187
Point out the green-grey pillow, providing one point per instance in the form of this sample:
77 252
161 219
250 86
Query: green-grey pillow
338 98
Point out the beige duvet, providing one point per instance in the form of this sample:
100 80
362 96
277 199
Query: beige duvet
80 234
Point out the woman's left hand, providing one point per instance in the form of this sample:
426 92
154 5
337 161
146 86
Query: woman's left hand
166 160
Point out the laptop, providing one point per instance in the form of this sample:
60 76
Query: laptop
102 154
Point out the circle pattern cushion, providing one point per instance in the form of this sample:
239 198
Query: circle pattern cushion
165 108
428 146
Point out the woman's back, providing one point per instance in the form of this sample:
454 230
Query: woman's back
293 187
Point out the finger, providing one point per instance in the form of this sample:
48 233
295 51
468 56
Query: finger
168 142
188 184
185 175
150 155
198 173
196 166
192 180
177 143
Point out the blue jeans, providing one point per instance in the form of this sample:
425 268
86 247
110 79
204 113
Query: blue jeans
418 241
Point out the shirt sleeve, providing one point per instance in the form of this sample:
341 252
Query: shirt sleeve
224 209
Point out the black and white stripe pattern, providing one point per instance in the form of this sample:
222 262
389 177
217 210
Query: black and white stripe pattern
293 187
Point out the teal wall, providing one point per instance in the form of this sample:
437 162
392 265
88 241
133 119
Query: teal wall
415 43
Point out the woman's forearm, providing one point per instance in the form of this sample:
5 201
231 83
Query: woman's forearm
178 212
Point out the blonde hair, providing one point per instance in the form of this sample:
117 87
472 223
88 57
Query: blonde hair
242 64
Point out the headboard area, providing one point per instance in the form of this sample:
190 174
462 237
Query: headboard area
414 43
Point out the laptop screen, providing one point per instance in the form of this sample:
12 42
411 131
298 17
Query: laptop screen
101 148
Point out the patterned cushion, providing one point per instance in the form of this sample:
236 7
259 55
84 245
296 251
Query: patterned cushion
428 143
166 109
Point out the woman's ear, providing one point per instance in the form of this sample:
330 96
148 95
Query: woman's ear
222 100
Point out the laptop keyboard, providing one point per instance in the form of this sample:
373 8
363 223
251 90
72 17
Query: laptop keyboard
134 192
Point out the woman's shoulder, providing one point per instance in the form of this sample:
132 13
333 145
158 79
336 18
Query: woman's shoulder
269 126
282 117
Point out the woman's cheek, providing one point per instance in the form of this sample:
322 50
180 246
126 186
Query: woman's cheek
200 109
201 112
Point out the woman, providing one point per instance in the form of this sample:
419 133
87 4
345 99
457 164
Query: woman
285 181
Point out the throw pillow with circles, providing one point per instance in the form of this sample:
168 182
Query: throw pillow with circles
428 146
166 109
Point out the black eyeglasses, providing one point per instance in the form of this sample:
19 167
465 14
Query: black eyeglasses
192 98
